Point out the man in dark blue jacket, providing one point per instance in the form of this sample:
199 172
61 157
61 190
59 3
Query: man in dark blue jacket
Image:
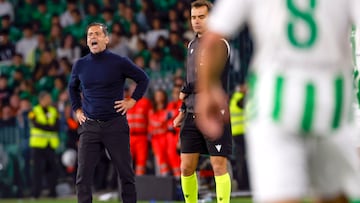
96 91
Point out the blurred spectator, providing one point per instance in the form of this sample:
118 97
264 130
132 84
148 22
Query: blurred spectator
108 3
174 21
47 74
7 48
5 91
118 43
6 8
127 19
24 12
134 37
7 117
158 117
15 79
143 15
24 129
26 91
162 44
92 13
14 103
155 61
43 16
17 63
35 54
14 32
65 67
59 87
72 137
176 42
27 43
54 38
180 7
138 123
24 108
66 18
164 6
156 31
44 139
107 17
68 49
72 126
56 7
143 51
55 20
173 149
120 10
76 29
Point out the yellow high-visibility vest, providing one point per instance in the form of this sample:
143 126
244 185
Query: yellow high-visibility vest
40 138
237 116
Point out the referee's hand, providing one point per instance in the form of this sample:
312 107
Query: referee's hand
124 105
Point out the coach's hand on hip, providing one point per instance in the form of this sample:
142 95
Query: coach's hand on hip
124 105
80 116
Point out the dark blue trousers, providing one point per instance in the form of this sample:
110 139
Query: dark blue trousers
114 136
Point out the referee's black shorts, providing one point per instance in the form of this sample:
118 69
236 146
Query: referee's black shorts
193 141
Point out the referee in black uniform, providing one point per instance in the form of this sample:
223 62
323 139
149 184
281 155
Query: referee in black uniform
193 142
99 78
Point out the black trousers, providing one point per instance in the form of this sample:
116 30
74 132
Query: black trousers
43 162
114 136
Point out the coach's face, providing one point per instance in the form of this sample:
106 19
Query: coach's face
96 39
198 19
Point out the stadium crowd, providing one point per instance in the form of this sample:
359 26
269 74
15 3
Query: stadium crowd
39 42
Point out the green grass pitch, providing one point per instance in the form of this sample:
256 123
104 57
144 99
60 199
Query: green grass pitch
73 200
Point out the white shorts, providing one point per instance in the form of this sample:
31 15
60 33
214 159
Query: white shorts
290 158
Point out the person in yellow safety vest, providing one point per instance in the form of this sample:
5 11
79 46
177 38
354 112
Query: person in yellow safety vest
237 117
44 139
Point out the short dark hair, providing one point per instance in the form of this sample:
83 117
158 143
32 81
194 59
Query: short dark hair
102 25
200 3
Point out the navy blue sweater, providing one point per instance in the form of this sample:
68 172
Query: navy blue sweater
101 78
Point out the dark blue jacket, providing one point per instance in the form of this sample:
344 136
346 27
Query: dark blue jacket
101 78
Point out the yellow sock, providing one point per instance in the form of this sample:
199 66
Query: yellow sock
189 185
223 188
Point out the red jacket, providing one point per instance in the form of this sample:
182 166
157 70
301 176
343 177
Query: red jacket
138 116
158 122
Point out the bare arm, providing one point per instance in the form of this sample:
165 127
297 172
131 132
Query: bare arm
211 101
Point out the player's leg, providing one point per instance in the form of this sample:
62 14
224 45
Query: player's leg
277 164
88 156
192 144
115 136
335 167
189 182
222 178
219 151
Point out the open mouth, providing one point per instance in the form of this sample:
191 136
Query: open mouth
94 43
